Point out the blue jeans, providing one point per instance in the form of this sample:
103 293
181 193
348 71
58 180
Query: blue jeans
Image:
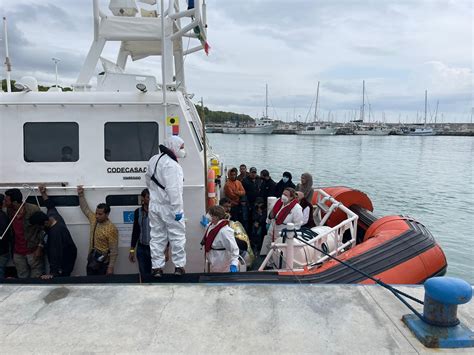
3 264
144 259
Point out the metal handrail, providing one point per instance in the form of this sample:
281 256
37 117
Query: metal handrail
350 223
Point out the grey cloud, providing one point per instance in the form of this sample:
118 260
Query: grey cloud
374 51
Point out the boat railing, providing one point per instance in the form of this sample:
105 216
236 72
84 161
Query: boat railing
326 206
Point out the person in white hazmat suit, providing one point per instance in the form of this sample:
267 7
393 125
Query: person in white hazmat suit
164 179
222 252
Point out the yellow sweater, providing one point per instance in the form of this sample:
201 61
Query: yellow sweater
106 234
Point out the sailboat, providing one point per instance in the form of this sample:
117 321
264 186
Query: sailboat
370 130
425 130
264 125
317 128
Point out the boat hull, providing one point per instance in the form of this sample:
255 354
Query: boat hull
259 130
317 132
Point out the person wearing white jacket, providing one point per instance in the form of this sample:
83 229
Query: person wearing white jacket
286 210
221 249
164 179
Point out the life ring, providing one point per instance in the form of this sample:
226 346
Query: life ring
211 188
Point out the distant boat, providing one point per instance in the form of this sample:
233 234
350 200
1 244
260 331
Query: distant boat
425 130
317 128
378 130
262 126
233 130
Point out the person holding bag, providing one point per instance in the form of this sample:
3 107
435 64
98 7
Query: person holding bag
219 243
103 247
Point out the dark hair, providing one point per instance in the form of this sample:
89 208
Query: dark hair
145 192
287 174
15 195
105 207
224 200
264 173
233 170
38 218
242 165
217 211
292 192
2 198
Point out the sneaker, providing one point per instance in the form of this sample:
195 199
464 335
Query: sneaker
179 271
157 272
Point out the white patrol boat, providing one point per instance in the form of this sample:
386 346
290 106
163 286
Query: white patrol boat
103 137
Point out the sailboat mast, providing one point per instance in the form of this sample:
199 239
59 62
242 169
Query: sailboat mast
426 104
316 105
266 100
362 109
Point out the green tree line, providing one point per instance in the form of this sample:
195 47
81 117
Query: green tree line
221 116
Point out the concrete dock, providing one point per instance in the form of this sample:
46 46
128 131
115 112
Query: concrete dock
209 318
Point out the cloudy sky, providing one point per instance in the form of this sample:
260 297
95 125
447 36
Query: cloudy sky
400 48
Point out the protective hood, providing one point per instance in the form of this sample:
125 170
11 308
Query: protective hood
174 143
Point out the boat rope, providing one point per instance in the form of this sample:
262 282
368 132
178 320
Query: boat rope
31 189
397 293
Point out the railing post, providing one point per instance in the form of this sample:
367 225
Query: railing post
290 243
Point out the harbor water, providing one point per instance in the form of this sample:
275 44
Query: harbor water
428 178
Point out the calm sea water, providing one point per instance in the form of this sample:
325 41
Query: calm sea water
428 178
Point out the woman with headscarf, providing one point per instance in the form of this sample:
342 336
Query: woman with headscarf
284 183
286 210
306 186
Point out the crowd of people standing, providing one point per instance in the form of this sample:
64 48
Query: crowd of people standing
248 193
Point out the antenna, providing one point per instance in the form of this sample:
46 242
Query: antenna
8 66
56 61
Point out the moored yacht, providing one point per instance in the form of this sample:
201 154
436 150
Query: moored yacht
317 128
425 130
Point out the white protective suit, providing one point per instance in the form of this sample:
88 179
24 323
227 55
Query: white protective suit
220 260
164 205
295 216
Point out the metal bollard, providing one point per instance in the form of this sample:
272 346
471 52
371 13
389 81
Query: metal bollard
442 296
440 326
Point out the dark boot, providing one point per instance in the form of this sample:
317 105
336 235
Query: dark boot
157 272
179 271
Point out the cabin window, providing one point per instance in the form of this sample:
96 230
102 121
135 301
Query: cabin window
50 142
197 136
130 141
59 200
123 200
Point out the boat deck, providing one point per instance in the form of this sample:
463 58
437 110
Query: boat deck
209 318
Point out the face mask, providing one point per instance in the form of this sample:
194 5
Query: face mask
284 198
285 179
181 153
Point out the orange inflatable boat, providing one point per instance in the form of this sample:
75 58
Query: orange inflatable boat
393 249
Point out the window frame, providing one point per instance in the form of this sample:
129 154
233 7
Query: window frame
27 124
130 122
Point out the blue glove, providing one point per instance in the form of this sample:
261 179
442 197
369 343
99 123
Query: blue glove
233 268
204 221
178 216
